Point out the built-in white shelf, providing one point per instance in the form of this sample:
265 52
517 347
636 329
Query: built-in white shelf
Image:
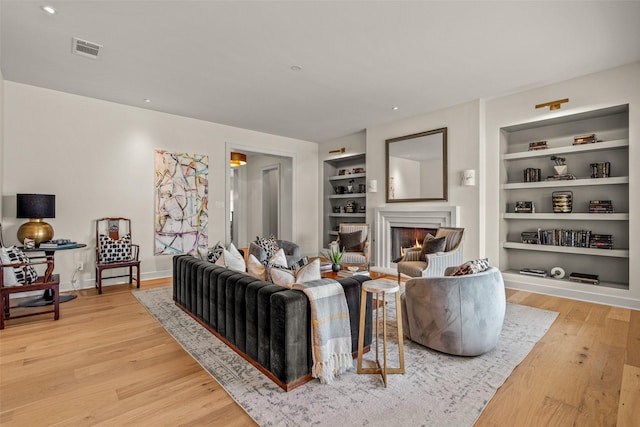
566 183
564 283
348 196
618 253
347 177
569 216
348 215
569 149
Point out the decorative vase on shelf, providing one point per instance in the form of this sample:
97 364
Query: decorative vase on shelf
335 267
561 169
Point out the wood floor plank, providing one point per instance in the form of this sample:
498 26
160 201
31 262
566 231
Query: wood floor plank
629 408
108 362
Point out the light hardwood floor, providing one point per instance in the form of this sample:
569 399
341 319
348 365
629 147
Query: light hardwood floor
108 362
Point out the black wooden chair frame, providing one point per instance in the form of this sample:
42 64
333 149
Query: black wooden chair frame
130 264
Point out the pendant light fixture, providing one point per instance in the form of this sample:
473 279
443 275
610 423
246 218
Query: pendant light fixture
237 159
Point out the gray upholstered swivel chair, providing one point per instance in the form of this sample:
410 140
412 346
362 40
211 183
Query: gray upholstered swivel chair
291 251
414 264
461 315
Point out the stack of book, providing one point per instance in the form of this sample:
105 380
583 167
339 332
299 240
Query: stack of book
532 175
524 207
600 206
562 177
585 139
584 278
573 238
539 145
533 272
347 273
58 244
530 237
325 266
601 241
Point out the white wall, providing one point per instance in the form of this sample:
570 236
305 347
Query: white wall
463 145
2 156
97 157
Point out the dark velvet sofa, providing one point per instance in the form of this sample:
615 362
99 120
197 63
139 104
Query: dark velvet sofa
268 325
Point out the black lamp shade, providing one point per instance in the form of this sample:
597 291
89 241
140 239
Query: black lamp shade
36 206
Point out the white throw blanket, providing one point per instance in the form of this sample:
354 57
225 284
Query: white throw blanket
330 328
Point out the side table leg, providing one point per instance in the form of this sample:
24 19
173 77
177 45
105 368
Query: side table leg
363 309
400 333
384 339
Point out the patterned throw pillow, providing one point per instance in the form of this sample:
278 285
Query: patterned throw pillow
472 267
269 244
351 242
287 278
115 250
215 252
261 270
14 276
300 263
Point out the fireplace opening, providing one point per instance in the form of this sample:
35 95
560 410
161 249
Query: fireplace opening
403 238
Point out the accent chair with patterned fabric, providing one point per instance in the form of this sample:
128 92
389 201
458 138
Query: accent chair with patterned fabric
420 262
355 239
18 275
115 250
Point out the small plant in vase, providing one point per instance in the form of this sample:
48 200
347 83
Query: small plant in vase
559 165
335 257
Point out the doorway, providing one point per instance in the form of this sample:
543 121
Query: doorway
260 197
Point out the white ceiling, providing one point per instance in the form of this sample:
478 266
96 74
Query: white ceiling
230 62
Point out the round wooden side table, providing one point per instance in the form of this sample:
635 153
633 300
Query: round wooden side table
380 288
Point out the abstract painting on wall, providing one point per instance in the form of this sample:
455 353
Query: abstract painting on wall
181 214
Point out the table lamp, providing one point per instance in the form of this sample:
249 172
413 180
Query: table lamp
35 207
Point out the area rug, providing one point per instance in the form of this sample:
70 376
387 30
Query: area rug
436 390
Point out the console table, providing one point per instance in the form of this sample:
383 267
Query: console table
47 296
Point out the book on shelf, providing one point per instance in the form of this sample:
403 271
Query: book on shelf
600 206
538 145
533 272
585 139
584 278
562 177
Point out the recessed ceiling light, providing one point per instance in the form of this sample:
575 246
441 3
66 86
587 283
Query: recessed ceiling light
147 100
394 108
49 9
296 68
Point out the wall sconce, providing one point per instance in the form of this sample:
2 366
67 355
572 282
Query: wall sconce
35 207
372 186
553 105
469 177
237 159
339 150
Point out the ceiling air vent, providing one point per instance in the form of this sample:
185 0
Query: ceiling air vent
85 48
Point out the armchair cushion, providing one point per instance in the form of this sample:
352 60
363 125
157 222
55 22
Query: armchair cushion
15 276
432 245
115 250
351 242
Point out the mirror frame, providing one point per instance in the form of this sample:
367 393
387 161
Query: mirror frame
445 184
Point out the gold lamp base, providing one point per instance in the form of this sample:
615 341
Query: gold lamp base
35 229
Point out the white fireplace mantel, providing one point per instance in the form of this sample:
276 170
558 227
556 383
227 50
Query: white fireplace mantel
419 217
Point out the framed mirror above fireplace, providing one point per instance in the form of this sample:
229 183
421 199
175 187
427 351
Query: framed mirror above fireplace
416 167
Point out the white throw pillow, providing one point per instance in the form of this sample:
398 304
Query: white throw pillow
232 259
255 268
304 274
261 271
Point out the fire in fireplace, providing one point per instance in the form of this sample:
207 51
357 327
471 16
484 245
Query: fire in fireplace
403 238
